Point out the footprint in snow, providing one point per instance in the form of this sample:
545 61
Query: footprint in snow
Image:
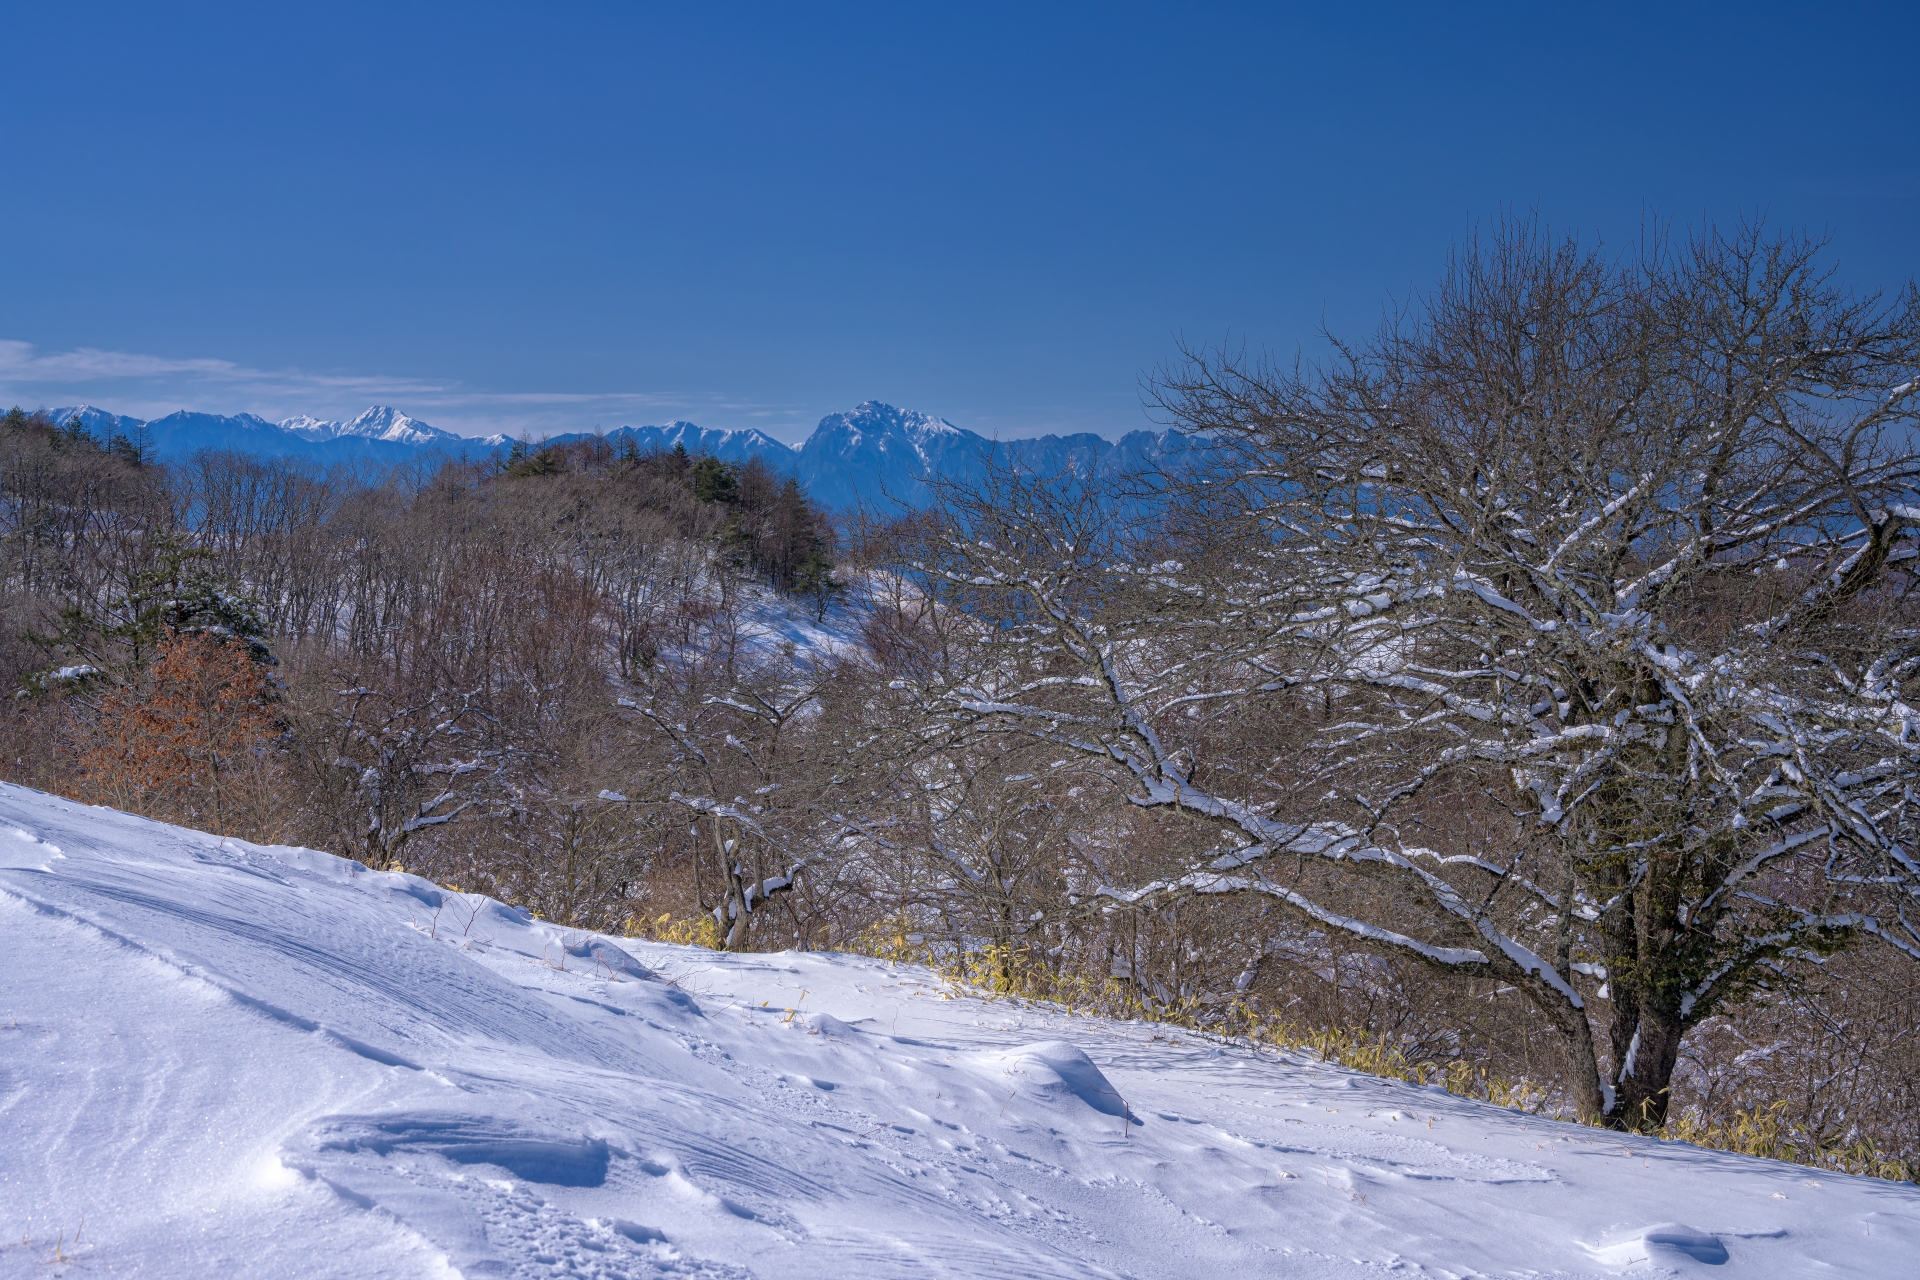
1668 1243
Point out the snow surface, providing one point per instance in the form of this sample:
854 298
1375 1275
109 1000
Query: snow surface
770 623
219 1059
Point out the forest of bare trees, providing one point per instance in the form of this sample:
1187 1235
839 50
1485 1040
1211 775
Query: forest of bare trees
1525 687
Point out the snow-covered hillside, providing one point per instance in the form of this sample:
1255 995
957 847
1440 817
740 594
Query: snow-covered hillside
218 1059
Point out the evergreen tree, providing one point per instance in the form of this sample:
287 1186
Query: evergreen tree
813 581
714 480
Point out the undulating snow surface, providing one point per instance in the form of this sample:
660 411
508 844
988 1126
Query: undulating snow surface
224 1060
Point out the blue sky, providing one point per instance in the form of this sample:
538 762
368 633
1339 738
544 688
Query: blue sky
550 217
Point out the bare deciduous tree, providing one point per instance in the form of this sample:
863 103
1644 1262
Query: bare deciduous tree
1621 548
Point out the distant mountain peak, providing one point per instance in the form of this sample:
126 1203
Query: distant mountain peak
310 428
383 422
380 422
878 413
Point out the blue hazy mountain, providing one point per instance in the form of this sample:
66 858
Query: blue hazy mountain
728 446
874 455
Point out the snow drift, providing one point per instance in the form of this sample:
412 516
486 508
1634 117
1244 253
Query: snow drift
223 1059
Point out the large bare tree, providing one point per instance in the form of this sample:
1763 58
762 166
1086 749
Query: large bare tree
1617 550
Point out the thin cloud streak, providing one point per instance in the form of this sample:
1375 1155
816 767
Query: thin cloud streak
21 364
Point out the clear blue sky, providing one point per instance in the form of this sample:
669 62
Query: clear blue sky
552 216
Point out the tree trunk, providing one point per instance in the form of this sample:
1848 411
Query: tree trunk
736 898
1583 1069
1643 1064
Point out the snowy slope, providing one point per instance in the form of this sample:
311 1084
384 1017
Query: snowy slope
224 1060
98 421
380 422
771 624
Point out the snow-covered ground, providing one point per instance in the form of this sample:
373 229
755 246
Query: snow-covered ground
224 1060
771 623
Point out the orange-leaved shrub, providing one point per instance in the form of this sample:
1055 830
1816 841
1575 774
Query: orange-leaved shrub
182 743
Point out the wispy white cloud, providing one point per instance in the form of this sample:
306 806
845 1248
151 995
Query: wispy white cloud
22 362
25 365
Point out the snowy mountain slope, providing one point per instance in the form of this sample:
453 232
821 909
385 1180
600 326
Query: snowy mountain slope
98 421
310 428
878 452
222 1059
382 423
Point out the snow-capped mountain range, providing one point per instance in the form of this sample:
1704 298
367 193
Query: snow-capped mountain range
875 454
